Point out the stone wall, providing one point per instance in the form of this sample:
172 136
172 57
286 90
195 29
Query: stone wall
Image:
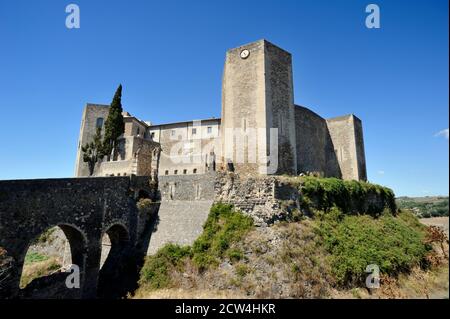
244 108
179 222
271 199
347 144
85 209
88 127
181 150
311 133
187 187
360 152
279 101
255 196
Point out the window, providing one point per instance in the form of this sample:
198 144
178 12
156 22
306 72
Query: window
209 130
152 135
138 131
166 172
175 172
172 132
194 131
185 171
194 171
99 123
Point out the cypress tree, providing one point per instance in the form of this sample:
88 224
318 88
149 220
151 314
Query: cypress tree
114 126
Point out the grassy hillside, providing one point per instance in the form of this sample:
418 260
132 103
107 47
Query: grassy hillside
430 206
316 257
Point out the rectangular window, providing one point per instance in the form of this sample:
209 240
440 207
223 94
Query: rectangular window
185 171
152 135
209 129
195 171
99 123
194 131
166 172
175 172
172 133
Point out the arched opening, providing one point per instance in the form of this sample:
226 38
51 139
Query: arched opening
114 240
115 262
47 258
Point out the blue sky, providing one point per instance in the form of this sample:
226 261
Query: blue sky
169 57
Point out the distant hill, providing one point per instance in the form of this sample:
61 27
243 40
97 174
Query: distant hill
429 206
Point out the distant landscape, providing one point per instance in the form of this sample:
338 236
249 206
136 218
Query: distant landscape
425 207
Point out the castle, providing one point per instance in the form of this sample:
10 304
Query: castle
191 165
261 130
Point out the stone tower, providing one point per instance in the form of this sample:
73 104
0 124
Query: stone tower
258 121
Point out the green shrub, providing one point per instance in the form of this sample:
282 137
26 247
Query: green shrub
223 227
156 270
394 243
46 236
33 257
242 270
145 206
352 197
235 254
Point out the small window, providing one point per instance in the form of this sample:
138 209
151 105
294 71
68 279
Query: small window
166 172
209 130
124 174
175 172
194 131
152 135
99 123
185 171
172 133
194 171
118 174
138 131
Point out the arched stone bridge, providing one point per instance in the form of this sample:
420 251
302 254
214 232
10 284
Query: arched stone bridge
85 209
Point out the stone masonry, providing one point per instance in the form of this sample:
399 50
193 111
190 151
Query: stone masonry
261 132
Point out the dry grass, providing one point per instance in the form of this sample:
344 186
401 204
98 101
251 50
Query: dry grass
282 261
179 293
38 269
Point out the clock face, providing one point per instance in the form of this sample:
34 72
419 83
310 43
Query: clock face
245 53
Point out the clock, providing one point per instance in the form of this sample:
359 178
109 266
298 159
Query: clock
245 53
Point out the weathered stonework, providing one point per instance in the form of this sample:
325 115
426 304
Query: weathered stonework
255 196
84 209
261 131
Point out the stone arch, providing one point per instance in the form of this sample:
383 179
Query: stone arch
78 244
115 266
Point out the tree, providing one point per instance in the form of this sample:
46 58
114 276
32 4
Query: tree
114 126
93 151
